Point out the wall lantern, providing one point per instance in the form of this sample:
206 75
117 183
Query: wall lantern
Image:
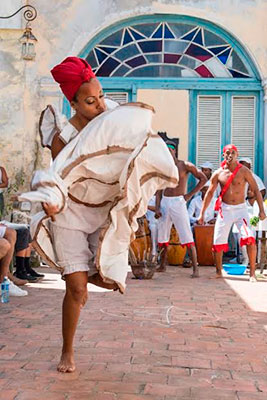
28 44
28 39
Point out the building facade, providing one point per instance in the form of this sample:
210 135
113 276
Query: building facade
201 64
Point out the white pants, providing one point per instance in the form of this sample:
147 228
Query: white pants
174 211
153 226
232 214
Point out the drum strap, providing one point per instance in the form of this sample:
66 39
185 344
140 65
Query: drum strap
218 204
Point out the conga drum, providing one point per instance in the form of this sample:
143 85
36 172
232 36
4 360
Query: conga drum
175 252
141 246
204 241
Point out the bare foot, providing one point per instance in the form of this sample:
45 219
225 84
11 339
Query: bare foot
195 274
217 276
66 363
253 279
97 280
161 269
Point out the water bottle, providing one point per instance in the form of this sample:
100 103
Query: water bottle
5 290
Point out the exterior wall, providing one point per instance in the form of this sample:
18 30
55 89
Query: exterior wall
63 28
172 110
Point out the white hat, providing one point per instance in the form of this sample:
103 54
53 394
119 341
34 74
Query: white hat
246 159
206 164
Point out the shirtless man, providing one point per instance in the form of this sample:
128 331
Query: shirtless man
232 207
171 209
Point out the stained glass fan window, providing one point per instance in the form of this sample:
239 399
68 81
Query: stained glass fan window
166 50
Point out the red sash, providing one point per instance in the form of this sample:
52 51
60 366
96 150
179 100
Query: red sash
218 204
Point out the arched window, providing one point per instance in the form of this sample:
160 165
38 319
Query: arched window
185 53
167 49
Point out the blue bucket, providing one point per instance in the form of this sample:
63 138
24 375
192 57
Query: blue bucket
235 269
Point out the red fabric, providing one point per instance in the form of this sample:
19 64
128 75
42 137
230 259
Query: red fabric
220 247
247 241
188 245
70 74
166 244
218 204
230 147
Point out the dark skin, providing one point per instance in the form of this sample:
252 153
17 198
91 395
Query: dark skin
234 195
207 172
88 104
184 168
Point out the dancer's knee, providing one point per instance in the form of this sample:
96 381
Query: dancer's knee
79 293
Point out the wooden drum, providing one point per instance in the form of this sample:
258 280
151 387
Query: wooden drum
141 246
175 253
204 241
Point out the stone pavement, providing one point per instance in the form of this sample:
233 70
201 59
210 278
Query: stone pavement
168 338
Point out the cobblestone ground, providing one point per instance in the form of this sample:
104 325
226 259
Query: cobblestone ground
168 338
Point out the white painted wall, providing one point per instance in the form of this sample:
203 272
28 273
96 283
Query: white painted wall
172 110
63 28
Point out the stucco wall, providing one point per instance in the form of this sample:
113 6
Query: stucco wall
172 108
63 28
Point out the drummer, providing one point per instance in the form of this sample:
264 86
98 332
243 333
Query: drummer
196 204
171 209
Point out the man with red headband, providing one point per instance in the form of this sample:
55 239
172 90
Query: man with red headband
233 178
107 165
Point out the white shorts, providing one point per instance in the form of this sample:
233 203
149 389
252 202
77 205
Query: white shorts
2 231
153 226
232 214
174 211
75 250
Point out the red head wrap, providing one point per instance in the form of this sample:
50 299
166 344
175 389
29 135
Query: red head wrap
70 74
230 147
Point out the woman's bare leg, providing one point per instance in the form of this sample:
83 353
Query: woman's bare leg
75 298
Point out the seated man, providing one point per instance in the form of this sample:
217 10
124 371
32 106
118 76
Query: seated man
153 226
246 161
196 204
7 243
23 251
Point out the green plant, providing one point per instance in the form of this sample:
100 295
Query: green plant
254 221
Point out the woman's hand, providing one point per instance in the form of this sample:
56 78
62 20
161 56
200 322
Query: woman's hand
50 210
